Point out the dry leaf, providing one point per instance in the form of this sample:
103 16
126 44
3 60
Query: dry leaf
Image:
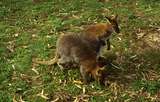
77 82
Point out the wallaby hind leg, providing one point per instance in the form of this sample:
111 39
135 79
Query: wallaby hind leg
86 76
64 62
50 62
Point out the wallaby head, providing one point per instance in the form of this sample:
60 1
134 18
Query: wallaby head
114 23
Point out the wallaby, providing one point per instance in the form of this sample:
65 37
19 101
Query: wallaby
103 31
83 49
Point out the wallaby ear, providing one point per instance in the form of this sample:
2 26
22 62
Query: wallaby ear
108 18
114 17
99 71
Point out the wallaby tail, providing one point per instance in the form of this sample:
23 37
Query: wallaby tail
49 62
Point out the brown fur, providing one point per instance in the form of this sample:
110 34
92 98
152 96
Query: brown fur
98 30
83 49
103 31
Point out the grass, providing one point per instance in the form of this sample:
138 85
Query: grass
29 29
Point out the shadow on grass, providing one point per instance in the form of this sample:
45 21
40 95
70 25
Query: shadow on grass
131 66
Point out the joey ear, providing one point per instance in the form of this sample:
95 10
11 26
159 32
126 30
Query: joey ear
103 68
99 71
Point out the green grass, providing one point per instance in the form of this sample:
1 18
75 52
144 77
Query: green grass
30 30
